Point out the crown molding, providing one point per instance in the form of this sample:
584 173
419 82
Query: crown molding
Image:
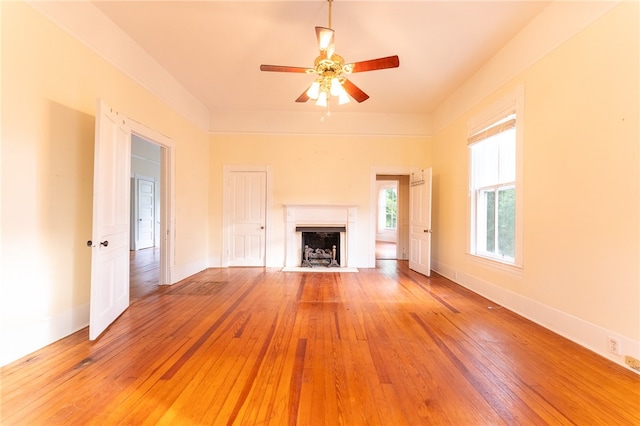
555 25
93 29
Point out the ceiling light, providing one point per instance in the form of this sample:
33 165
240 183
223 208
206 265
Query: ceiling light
336 87
343 97
314 90
322 99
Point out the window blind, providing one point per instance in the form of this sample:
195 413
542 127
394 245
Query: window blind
492 130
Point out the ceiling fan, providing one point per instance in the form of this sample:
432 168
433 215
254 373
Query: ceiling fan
331 71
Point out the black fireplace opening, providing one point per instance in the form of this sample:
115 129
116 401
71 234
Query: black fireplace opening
320 245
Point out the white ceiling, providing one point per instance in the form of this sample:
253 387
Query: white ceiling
215 48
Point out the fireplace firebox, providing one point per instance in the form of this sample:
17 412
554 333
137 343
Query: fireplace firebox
320 245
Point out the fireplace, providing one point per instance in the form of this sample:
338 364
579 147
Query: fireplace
320 245
320 219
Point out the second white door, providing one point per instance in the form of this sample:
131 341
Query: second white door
247 217
145 212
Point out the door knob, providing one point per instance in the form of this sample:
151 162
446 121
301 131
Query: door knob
89 243
104 243
262 227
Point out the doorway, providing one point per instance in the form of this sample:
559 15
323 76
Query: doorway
414 215
391 216
146 195
159 260
110 273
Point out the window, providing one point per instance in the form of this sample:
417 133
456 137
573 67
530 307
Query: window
391 208
388 207
495 184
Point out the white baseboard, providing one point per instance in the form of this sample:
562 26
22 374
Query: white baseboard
180 272
21 336
584 333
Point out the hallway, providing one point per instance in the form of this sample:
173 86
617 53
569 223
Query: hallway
144 272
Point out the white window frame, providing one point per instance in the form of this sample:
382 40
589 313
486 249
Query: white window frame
511 103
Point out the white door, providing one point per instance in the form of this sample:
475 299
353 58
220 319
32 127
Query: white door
420 222
145 211
247 206
111 210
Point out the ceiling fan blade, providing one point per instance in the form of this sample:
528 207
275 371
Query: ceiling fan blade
354 91
282 68
376 64
303 97
325 39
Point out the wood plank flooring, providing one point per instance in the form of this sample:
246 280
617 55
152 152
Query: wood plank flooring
386 250
144 272
384 346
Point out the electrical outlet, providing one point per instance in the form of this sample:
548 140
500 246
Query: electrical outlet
632 362
614 345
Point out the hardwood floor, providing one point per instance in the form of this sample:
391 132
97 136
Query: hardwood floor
144 272
384 346
385 250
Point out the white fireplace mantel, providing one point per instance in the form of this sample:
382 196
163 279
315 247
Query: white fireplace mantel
320 214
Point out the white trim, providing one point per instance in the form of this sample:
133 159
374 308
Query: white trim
373 202
309 123
507 105
584 333
555 25
41 332
167 235
94 30
321 214
180 272
512 102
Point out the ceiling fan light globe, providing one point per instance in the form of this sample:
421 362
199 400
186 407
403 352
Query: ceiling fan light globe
325 37
343 97
322 99
336 87
314 90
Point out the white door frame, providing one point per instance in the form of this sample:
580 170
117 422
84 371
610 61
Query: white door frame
373 200
167 197
226 214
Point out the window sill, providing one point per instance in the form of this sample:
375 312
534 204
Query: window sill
496 264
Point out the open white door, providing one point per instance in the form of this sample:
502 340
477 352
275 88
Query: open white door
110 238
420 222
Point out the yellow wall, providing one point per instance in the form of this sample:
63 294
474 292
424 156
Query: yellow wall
50 83
581 185
312 169
581 180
